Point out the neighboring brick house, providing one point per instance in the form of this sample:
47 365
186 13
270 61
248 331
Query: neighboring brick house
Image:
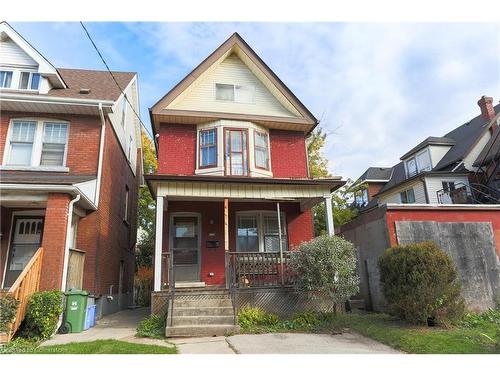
233 190
460 167
70 168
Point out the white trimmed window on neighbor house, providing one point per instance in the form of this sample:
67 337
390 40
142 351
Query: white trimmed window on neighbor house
407 196
36 143
19 80
419 163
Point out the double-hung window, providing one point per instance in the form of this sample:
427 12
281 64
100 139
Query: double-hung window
407 196
234 93
54 143
208 148
261 147
259 231
21 142
34 143
236 152
5 79
29 81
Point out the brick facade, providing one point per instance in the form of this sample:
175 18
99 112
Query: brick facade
288 154
177 149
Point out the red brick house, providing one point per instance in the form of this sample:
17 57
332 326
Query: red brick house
233 190
70 167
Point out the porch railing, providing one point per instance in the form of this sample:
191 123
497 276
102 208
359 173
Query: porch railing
252 269
25 285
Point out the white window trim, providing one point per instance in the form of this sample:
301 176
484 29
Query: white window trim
419 167
36 151
234 93
220 125
406 191
16 79
260 226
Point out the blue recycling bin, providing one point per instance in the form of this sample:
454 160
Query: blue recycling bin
89 317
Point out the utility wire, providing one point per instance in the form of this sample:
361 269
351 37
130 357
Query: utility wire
114 79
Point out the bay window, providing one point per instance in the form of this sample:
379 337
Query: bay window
236 152
261 147
208 148
259 232
36 143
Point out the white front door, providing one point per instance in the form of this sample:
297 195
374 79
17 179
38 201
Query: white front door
26 239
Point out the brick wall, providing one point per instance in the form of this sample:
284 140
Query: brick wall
288 153
54 239
103 234
83 141
177 149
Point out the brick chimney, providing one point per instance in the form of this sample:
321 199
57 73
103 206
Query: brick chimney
486 105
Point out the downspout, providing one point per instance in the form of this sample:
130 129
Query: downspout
66 246
281 243
101 157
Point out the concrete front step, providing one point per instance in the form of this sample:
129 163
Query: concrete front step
199 311
202 320
202 330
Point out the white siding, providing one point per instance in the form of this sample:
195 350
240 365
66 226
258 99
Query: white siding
434 184
418 189
201 97
471 157
12 55
437 153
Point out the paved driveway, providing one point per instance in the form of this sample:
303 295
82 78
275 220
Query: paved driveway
283 343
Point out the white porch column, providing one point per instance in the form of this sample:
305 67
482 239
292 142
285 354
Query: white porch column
158 243
329 215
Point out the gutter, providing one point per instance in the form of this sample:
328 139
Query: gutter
101 157
66 246
54 100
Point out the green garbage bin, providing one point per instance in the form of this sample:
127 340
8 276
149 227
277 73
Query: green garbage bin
76 307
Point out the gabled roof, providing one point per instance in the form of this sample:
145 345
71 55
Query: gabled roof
234 43
44 66
376 174
435 141
99 82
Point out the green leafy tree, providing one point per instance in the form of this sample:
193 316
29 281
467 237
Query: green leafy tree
146 209
343 210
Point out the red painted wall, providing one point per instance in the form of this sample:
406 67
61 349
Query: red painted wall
177 149
443 215
288 153
83 140
300 228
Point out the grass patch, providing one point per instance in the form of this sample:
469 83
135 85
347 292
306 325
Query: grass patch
152 326
478 333
92 347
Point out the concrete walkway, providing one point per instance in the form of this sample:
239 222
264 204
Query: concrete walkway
118 326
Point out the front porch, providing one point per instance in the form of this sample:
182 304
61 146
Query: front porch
227 233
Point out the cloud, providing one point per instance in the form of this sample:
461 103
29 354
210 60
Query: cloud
379 89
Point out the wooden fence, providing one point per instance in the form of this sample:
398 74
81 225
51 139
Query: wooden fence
25 285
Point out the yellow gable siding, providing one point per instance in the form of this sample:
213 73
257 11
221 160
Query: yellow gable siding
201 96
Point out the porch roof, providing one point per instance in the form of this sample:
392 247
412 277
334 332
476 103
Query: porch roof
306 191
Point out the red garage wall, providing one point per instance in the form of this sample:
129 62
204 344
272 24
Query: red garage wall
443 214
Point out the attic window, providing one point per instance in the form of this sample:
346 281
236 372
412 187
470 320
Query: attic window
84 91
234 93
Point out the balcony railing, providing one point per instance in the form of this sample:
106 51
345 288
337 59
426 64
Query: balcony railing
253 269
468 194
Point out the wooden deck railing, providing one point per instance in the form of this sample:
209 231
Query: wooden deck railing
25 285
253 269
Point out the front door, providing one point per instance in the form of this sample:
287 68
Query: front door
26 239
185 245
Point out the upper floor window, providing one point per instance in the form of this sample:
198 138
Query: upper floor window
236 152
361 197
126 205
29 81
37 143
419 163
234 93
5 79
407 196
124 110
208 148
261 150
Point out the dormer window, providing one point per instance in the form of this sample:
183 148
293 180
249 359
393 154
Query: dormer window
29 81
419 163
5 79
234 93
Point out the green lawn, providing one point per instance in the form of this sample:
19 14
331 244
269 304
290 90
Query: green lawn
95 347
418 339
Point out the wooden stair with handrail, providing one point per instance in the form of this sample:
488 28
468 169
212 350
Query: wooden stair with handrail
25 285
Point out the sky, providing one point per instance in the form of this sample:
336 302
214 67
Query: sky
378 89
